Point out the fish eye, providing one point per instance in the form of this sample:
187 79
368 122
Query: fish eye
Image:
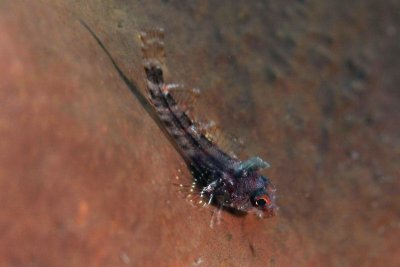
262 201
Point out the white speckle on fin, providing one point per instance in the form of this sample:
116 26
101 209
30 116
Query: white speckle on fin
153 47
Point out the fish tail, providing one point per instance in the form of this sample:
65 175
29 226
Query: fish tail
153 55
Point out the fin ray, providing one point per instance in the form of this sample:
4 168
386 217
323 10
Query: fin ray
185 97
153 50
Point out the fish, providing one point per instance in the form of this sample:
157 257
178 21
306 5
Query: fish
219 177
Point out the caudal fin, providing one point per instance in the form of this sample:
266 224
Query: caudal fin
153 54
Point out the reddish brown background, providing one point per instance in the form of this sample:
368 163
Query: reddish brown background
312 86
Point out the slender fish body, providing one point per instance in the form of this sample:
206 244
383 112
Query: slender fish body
221 179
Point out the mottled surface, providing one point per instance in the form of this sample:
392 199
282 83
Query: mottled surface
312 86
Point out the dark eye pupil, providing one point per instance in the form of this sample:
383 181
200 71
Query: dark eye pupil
261 202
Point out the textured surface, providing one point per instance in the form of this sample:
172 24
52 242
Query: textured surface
312 86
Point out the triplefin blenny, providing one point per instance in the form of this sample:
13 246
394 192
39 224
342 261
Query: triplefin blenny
219 178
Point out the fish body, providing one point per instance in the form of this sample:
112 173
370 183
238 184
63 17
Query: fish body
221 179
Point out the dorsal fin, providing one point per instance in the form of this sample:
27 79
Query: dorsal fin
185 97
230 144
205 127
253 164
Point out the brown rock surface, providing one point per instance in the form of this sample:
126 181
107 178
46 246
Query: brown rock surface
85 173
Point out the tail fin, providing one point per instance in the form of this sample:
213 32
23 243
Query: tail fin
153 54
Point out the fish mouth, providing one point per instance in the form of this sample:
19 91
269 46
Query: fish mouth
270 210
267 211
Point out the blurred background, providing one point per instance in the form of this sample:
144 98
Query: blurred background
86 176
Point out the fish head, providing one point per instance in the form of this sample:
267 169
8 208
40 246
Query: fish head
263 198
